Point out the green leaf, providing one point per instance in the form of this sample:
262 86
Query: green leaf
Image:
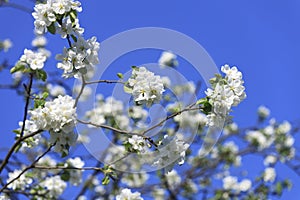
18 132
134 67
127 89
73 16
279 189
39 103
120 75
52 28
45 95
18 67
201 101
66 175
127 147
41 75
207 107
105 180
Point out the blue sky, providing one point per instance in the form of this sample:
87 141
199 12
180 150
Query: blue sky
260 37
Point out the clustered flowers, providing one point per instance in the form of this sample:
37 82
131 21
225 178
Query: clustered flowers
81 57
226 92
35 60
127 194
145 86
46 14
60 16
168 58
171 151
59 118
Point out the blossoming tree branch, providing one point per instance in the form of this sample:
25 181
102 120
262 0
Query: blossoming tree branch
185 156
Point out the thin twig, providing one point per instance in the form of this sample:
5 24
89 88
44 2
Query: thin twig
104 81
16 144
16 6
27 168
80 92
28 91
68 167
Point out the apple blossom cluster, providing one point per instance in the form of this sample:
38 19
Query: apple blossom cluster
80 58
189 119
231 183
34 60
229 151
29 127
263 112
21 183
54 186
59 118
135 179
171 151
173 179
74 174
226 92
46 14
39 43
107 109
5 45
274 134
145 86
60 16
126 194
168 59
137 143
269 174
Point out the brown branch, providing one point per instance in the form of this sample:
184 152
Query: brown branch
16 144
16 6
105 81
27 168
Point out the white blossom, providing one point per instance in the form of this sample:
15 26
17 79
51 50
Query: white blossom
39 41
172 150
173 179
230 183
135 179
126 194
75 174
45 13
289 141
245 185
190 119
5 45
30 127
54 185
137 143
270 160
263 112
19 184
56 90
105 109
44 16
146 87
59 117
35 60
158 193
259 139
67 27
226 92
269 174
80 58
168 58
284 128
188 87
